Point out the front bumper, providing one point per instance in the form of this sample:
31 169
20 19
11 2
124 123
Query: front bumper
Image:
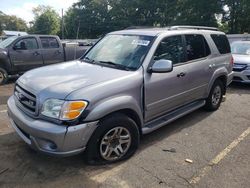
230 78
243 76
48 137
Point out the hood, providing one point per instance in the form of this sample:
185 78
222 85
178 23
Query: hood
242 59
61 79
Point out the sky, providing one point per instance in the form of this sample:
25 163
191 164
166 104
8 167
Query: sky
23 8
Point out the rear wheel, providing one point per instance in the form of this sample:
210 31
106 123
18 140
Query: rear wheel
115 139
3 76
215 96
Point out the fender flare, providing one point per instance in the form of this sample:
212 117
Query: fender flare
218 73
114 104
5 63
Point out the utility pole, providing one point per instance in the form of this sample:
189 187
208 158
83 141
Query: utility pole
77 36
62 25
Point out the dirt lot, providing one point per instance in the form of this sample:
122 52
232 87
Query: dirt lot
218 143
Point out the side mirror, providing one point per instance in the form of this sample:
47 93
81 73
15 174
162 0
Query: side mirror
161 66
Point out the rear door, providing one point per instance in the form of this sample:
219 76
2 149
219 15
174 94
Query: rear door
25 54
198 67
52 50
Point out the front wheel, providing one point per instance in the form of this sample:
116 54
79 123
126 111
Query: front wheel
115 139
3 76
215 96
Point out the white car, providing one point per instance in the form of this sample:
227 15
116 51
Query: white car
241 55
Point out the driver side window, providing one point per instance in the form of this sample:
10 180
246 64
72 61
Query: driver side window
26 44
171 48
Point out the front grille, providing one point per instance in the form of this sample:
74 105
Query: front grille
26 99
239 67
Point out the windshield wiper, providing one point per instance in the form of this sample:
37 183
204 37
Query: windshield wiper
88 60
119 66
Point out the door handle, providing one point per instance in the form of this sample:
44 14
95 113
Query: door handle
36 53
58 52
182 74
211 66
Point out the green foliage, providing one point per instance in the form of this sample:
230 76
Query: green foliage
46 21
11 23
97 17
237 16
94 18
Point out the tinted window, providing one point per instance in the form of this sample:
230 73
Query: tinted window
171 48
27 44
196 47
49 42
222 43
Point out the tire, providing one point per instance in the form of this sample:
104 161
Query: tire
3 76
214 99
104 139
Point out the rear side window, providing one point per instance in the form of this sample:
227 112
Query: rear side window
49 42
171 48
196 47
221 43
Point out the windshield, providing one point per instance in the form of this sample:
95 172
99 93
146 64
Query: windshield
127 51
241 48
7 42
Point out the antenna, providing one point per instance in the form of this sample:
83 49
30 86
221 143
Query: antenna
62 25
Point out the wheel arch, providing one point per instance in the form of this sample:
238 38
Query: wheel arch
220 74
126 105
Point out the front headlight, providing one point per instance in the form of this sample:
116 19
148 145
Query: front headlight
63 110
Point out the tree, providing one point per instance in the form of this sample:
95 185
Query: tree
236 14
11 23
202 12
93 18
46 21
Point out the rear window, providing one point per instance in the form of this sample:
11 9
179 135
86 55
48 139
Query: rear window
221 43
196 47
49 42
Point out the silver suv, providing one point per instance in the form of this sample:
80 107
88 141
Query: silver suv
130 83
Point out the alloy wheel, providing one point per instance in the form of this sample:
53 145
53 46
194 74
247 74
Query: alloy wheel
115 143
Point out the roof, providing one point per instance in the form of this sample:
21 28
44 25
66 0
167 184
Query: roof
176 29
14 33
242 41
238 35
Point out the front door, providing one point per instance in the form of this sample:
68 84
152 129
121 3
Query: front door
26 54
165 91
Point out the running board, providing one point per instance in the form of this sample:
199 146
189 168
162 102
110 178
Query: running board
168 118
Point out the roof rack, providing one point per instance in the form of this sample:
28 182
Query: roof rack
192 27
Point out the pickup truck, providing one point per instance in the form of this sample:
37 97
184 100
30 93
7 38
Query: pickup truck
19 54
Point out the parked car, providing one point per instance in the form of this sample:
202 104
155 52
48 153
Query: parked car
241 55
238 37
130 83
21 53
